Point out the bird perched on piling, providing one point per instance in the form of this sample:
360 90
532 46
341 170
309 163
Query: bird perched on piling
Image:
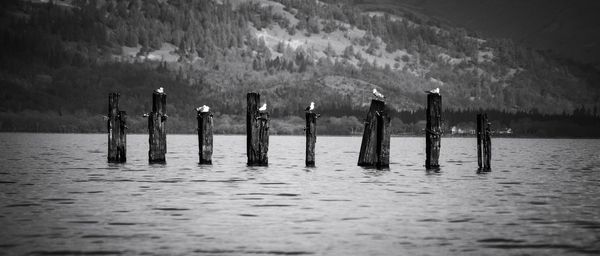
378 94
160 90
263 108
434 91
203 109
311 107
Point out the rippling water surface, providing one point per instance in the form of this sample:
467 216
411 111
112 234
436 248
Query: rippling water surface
60 196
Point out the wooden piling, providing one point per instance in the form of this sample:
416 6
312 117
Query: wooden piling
487 146
433 130
257 132
117 131
484 144
122 147
263 138
205 136
311 137
383 140
375 146
479 140
157 128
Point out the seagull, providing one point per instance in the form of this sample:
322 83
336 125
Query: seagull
434 91
160 90
311 107
203 109
263 108
378 94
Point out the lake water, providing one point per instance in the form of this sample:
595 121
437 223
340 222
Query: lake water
60 196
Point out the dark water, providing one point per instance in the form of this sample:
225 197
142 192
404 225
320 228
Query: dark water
59 196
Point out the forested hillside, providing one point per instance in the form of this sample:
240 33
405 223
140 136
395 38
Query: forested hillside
61 58
564 28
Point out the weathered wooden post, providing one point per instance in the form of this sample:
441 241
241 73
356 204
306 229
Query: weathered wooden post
117 130
433 130
375 146
205 136
484 144
311 137
157 128
479 140
487 145
257 132
384 130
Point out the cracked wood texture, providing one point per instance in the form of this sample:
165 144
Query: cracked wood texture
487 146
375 146
311 137
257 132
157 129
479 140
484 144
117 134
205 136
433 130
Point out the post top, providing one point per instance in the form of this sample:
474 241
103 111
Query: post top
377 104
263 115
434 95
311 112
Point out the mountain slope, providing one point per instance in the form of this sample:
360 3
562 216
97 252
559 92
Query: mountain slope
569 28
64 58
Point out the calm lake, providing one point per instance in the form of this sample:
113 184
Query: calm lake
60 196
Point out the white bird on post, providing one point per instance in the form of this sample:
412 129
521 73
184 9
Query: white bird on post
311 107
160 90
263 108
378 94
434 91
203 109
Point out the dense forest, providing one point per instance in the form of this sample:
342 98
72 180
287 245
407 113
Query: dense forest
61 59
